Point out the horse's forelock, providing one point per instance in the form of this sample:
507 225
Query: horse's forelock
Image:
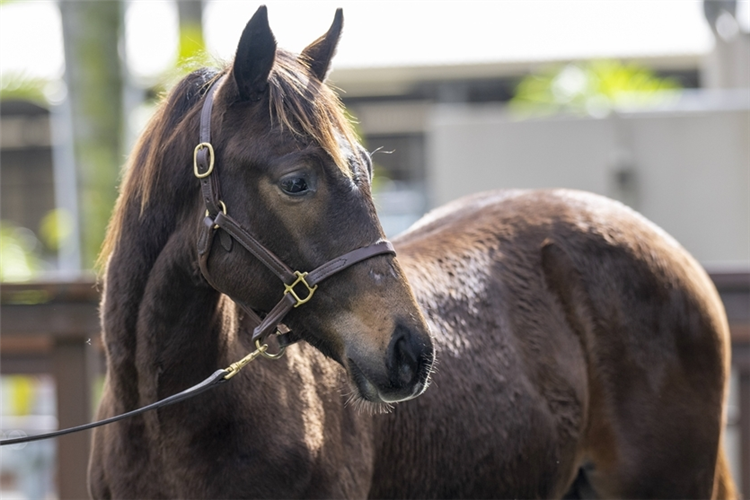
306 107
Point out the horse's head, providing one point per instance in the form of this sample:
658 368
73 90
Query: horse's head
293 175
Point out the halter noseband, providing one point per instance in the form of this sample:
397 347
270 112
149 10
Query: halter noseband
299 287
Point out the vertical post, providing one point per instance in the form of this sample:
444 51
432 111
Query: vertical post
70 365
66 188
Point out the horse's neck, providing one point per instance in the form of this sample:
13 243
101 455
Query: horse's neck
163 330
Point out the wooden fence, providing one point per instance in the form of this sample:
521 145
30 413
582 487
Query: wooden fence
54 328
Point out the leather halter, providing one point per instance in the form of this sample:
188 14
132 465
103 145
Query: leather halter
217 218
299 287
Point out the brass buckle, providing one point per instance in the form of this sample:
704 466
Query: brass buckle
300 279
210 160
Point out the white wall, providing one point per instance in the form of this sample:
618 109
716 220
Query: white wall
690 166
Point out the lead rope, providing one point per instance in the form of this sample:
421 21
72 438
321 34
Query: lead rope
216 378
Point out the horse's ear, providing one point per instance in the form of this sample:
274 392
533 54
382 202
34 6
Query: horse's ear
256 53
319 53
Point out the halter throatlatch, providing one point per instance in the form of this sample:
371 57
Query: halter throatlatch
299 287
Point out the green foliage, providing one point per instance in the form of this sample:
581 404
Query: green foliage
590 88
19 253
56 227
191 56
19 86
191 44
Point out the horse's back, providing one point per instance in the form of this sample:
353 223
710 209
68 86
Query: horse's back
577 335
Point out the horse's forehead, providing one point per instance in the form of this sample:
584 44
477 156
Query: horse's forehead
288 144
345 147
258 136
282 148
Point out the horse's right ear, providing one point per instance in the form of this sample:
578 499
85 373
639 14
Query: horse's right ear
256 53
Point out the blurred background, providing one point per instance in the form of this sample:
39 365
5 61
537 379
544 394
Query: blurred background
644 102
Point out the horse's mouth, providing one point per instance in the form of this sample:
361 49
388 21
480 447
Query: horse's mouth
369 391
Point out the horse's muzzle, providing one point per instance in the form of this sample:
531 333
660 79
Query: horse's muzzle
406 371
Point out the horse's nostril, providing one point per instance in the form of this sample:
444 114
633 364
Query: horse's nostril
404 358
407 362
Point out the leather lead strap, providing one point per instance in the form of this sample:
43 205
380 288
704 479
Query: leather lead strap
215 379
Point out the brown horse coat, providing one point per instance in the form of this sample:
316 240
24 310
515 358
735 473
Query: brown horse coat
571 333
579 348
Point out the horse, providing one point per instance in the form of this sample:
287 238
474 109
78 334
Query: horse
522 344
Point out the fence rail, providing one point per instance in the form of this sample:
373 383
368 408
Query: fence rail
54 328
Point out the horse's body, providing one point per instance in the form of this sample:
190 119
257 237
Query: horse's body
571 334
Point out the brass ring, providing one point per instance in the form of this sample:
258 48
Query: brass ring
266 354
223 210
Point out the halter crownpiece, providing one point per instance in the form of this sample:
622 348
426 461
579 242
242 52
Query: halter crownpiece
299 287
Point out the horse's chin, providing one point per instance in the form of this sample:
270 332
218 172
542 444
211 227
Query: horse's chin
366 389
364 396
362 405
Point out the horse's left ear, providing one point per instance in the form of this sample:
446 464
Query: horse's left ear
319 53
256 53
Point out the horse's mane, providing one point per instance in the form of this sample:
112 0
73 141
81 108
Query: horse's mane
298 102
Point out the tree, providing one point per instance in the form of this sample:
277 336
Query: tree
93 75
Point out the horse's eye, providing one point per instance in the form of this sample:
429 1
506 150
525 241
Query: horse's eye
294 185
